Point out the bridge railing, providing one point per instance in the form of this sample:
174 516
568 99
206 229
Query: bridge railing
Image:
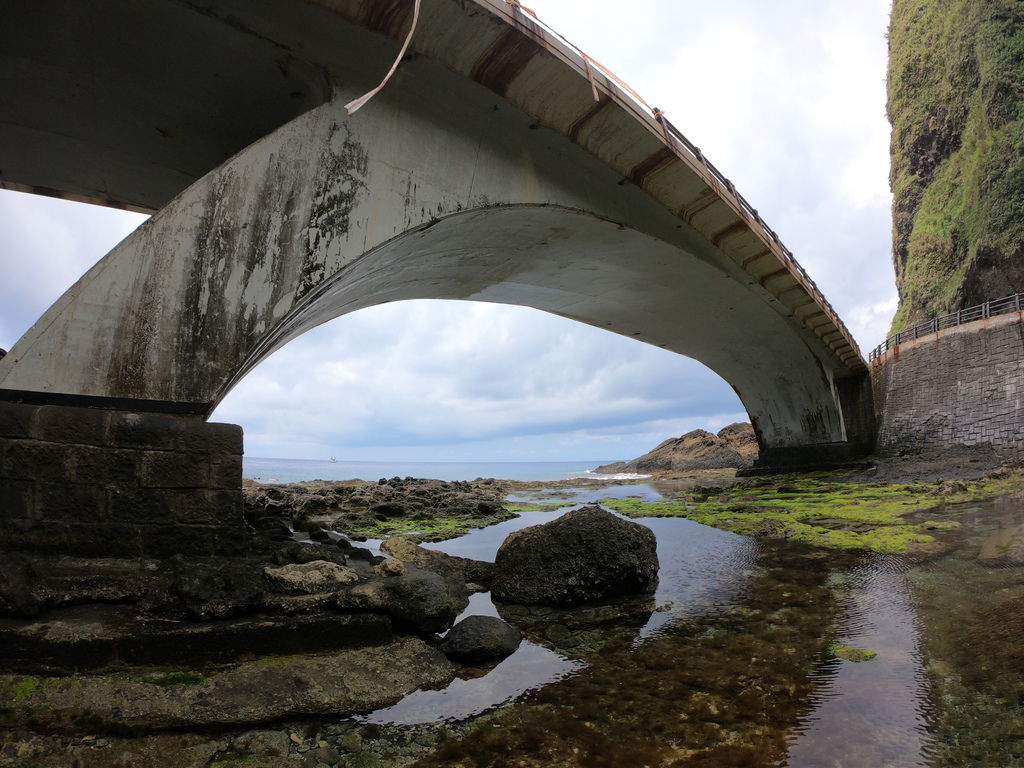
705 168
992 308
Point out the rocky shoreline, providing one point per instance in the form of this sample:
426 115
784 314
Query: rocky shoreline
112 660
101 654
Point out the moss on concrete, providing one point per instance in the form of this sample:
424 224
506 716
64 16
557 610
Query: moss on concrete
956 104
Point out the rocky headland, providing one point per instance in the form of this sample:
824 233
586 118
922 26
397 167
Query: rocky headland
735 447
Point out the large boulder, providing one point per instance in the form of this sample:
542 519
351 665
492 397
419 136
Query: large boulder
480 638
585 555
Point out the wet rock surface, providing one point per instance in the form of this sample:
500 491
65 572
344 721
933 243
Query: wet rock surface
587 554
417 600
424 510
357 680
462 568
480 638
733 683
84 613
316 576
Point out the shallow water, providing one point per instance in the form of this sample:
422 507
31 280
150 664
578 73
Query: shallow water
270 470
731 663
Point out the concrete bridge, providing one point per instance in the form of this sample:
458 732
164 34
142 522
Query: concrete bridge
498 164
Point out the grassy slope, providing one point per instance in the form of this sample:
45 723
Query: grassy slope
956 103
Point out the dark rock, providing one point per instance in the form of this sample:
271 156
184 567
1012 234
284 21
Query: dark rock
391 566
261 743
357 680
298 552
417 600
587 554
462 568
388 509
82 637
219 589
316 533
480 638
323 756
311 578
351 506
17 579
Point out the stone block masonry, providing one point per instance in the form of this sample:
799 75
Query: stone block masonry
960 386
95 482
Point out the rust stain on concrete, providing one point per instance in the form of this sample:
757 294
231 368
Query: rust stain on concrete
504 60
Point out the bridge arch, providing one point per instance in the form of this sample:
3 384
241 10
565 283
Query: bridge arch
579 266
454 182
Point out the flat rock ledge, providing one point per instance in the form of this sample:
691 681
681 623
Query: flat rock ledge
262 691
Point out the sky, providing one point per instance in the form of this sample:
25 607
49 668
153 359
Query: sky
787 98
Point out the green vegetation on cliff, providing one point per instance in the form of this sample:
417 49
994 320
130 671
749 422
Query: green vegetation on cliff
956 104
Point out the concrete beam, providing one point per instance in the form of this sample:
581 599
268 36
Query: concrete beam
476 174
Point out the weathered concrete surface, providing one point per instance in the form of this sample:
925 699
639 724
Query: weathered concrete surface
484 171
924 403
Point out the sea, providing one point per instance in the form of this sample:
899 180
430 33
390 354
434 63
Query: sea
268 470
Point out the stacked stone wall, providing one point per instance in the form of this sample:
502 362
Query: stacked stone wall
960 386
86 481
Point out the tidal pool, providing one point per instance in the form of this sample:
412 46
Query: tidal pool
755 653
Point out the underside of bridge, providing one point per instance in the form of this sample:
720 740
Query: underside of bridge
496 165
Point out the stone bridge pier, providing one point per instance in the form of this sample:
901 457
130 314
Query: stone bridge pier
497 165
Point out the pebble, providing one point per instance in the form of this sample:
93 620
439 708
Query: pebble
351 742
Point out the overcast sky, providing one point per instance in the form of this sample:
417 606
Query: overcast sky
787 98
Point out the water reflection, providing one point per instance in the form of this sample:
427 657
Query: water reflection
530 667
729 664
868 713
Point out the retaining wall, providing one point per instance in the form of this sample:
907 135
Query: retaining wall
959 386
87 481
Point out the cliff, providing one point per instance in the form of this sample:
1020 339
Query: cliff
956 103
734 446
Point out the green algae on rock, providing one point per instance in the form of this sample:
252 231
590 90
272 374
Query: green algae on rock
817 511
848 653
536 506
427 529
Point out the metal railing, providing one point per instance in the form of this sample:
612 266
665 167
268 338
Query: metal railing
691 153
992 308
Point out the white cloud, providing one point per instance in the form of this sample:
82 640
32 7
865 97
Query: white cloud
45 246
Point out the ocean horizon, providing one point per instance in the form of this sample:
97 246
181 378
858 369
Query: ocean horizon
271 470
